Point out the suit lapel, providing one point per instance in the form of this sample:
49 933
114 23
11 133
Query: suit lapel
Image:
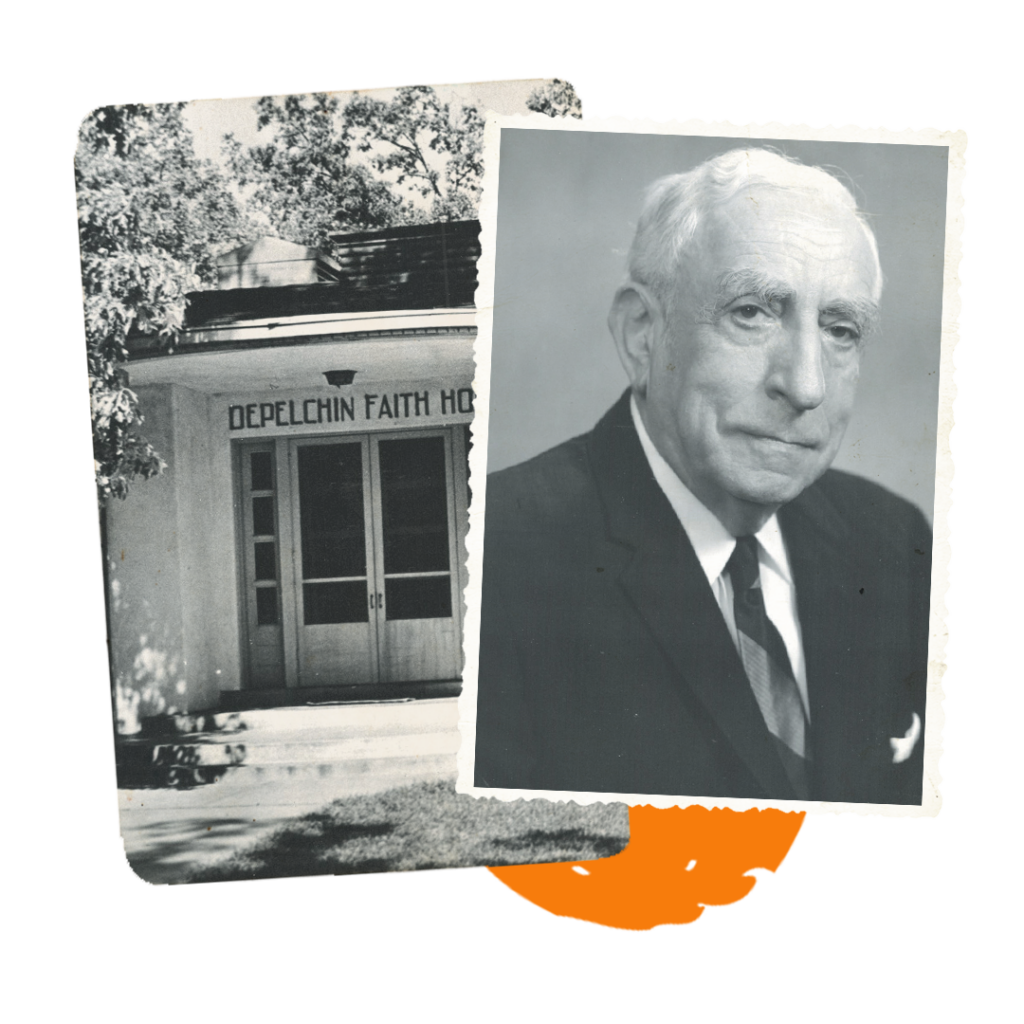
664 581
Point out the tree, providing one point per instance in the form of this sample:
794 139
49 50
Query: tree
370 164
430 150
556 99
302 180
152 217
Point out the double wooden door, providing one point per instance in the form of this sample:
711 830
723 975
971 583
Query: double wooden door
352 558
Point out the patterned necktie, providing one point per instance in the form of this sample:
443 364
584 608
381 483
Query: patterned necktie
767 665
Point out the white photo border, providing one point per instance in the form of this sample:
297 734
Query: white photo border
934 717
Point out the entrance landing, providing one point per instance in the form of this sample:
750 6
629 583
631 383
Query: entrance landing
239 700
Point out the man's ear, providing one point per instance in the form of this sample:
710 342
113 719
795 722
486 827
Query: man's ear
636 321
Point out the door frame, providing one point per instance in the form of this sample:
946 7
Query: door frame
456 560
243 559
288 554
296 577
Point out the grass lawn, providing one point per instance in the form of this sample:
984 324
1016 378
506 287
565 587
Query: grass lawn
428 825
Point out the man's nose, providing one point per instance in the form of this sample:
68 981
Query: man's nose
797 371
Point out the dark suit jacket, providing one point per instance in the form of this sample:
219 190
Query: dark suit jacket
606 665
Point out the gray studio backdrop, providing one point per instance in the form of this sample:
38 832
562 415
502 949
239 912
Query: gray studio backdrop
567 208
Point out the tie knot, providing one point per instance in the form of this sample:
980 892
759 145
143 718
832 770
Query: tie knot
743 564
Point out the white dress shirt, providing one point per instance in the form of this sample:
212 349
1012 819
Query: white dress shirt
714 546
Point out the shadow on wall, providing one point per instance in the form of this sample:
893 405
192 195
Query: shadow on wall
147 658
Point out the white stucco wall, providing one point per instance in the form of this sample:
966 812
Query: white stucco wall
170 569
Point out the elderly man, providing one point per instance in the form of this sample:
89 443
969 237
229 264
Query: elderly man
687 600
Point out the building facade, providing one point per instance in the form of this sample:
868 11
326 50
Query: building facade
307 538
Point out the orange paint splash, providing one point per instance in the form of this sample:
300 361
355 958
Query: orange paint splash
678 861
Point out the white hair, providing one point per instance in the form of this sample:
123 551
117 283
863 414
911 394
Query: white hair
675 206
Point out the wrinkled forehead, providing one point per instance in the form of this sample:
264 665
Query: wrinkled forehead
793 232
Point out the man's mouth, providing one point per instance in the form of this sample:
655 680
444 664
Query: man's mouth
792 442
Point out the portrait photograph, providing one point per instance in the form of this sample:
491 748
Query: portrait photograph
709 392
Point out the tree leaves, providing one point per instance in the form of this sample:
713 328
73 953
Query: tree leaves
370 164
152 218
556 99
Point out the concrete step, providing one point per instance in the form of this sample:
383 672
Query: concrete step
398 771
361 775
271 748
357 719
387 718
280 697
315 740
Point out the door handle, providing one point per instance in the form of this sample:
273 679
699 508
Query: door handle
380 599
371 601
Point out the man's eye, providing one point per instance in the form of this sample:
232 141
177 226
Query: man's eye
749 314
847 335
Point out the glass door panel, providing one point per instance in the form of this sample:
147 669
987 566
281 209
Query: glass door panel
258 502
416 591
414 515
337 634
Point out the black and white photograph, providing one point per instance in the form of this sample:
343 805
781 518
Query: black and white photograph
713 419
279 315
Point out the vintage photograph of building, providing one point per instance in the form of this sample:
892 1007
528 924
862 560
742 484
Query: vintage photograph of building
282 373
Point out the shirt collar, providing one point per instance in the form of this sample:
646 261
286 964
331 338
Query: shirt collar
711 541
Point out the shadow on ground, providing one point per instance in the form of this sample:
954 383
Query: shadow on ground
426 825
163 847
154 762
